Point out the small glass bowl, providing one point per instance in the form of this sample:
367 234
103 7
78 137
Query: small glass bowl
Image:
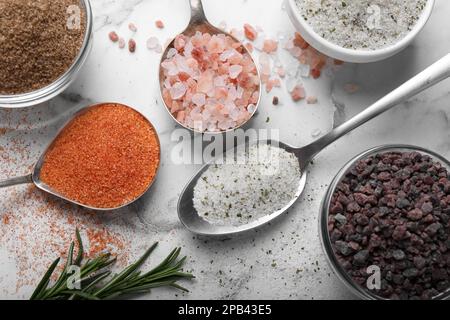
44 94
324 215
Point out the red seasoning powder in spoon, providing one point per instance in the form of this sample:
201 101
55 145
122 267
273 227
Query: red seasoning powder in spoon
106 157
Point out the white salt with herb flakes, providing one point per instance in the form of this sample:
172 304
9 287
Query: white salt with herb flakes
258 183
362 24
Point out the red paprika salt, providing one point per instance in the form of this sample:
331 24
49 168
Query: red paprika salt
106 157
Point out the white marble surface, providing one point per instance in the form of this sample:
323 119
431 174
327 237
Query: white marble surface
281 261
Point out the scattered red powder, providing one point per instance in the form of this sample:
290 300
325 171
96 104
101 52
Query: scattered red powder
106 157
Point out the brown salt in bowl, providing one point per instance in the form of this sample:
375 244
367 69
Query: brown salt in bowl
36 97
327 247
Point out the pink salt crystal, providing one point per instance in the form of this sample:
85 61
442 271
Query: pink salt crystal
298 93
235 71
205 83
121 43
132 27
199 99
272 83
211 81
181 116
113 36
270 46
216 45
178 91
180 42
311 100
159 24
250 32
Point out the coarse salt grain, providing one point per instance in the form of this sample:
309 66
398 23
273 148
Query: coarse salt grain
260 182
159 24
132 27
250 32
113 36
362 24
210 82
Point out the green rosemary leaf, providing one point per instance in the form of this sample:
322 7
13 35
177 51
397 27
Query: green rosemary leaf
42 286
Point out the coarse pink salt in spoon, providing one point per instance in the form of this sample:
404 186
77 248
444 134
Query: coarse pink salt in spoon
208 79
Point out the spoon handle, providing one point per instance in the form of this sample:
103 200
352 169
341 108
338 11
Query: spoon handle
427 78
16 181
197 12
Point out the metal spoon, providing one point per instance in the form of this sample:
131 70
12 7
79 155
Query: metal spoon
199 22
35 178
192 221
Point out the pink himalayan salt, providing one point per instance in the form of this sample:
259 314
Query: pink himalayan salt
270 46
250 32
121 43
159 24
272 83
113 36
298 93
210 83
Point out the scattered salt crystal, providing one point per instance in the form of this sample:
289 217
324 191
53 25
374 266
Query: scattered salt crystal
298 93
113 36
259 42
159 24
152 43
159 48
311 100
132 45
132 27
270 46
121 43
250 32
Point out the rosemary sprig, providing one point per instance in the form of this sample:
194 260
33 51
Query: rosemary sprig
93 281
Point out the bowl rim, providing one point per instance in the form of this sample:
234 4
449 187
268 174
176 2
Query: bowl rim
32 98
355 55
324 235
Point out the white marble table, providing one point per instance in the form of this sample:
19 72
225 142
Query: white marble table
281 261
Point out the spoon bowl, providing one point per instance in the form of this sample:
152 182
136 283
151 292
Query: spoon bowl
193 222
196 224
35 176
199 22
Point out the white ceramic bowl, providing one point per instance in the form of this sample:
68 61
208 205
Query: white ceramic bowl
350 55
